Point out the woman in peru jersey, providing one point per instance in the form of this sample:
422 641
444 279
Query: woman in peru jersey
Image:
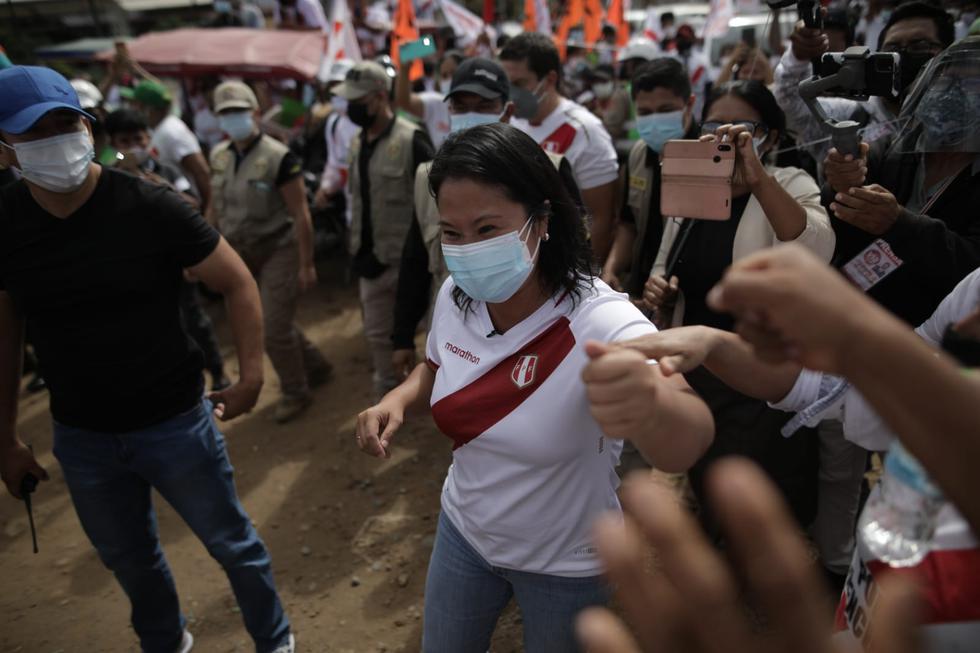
535 412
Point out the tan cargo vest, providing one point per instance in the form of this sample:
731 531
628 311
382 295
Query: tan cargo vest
640 181
249 207
391 179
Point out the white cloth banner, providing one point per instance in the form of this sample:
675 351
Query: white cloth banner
466 25
651 26
342 39
719 13
542 16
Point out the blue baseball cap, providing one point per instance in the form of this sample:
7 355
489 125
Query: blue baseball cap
29 92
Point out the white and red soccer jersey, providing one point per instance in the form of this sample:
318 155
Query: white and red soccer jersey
531 468
571 130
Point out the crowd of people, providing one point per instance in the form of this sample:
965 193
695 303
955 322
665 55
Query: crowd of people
506 206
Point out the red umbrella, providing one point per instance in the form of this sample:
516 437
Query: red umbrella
252 53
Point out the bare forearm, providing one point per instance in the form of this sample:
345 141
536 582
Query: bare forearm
404 98
927 401
245 315
680 434
304 236
787 217
732 360
621 252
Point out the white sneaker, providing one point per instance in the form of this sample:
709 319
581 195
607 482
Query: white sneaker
187 643
288 647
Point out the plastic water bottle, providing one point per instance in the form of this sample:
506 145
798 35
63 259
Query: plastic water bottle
898 522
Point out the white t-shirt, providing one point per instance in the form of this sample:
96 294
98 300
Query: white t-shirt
172 141
339 132
531 468
313 14
572 130
435 115
862 425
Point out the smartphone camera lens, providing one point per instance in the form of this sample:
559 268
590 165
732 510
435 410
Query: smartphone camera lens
717 159
724 148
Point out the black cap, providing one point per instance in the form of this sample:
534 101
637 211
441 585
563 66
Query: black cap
481 76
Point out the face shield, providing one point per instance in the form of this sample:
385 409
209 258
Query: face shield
942 110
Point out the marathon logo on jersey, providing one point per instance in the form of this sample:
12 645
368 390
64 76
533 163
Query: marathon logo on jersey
462 353
523 372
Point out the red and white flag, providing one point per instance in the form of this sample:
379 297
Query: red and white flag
466 25
342 39
537 16
651 26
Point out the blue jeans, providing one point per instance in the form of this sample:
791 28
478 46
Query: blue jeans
464 596
110 476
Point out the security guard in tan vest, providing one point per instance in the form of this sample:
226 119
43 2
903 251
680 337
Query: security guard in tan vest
383 160
259 205
478 95
664 105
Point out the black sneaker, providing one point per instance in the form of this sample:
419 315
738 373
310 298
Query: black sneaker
319 375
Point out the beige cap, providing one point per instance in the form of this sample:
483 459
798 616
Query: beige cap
234 95
364 78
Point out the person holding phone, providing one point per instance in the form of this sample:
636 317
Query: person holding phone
770 205
535 412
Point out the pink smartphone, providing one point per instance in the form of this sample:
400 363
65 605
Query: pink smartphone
696 180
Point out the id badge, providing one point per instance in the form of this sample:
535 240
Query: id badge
868 268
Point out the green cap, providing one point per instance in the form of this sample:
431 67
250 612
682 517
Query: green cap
152 94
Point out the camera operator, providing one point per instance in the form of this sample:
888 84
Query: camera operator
917 193
917 31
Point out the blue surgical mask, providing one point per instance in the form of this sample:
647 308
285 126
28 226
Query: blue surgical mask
657 128
459 121
238 125
492 270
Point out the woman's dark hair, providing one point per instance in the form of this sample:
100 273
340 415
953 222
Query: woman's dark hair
756 95
125 121
504 157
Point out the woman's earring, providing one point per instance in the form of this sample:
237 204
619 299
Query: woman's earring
547 236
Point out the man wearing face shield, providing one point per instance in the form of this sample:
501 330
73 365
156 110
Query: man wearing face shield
479 95
91 261
918 193
917 31
383 162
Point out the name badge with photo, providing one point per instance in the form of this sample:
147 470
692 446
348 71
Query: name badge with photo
868 268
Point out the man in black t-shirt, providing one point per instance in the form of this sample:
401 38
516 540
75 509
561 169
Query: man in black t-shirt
91 261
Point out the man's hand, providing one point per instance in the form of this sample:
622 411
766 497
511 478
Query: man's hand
622 388
808 43
403 360
845 172
677 350
873 208
236 400
321 198
16 462
307 277
690 601
790 305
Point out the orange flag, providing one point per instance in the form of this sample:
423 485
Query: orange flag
592 22
405 31
574 13
615 16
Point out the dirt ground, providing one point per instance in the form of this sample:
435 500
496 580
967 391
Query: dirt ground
350 536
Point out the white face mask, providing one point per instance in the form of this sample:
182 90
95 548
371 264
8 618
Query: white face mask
139 154
59 164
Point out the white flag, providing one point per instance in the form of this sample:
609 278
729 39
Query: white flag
466 25
719 13
342 39
542 14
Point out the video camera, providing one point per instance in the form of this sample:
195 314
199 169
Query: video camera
857 74
809 10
